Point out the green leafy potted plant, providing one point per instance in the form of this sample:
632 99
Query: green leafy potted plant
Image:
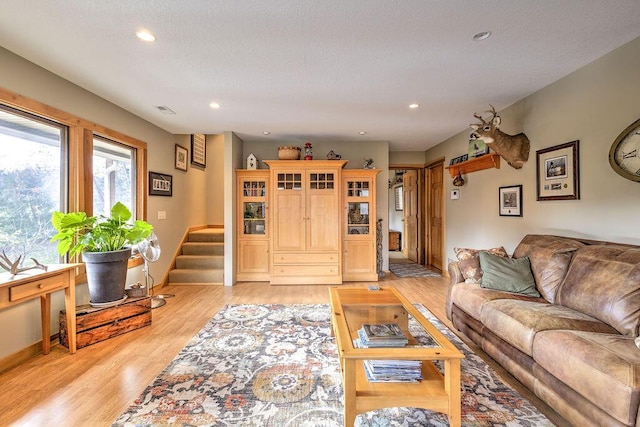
105 244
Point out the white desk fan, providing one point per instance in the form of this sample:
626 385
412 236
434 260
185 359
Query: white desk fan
149 250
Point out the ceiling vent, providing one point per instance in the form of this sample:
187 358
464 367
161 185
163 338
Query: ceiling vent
164 109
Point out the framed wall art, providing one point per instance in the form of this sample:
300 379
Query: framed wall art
397 191
198 150
181 158
510 200
558 172
160 184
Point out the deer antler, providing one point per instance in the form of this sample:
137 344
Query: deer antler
479 117
492 111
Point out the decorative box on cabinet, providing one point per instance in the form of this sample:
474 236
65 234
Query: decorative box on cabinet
359 225
306 239
95 324
253 229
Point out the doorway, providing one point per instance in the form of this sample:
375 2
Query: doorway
416 217
406 236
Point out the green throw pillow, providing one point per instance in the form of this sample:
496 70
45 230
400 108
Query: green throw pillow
507 274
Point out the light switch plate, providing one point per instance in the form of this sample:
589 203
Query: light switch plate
162 214
455 194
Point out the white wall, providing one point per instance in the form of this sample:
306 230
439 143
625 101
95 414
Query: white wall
215 179
233 159
593 105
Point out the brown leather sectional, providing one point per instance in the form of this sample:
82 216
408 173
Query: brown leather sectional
574 346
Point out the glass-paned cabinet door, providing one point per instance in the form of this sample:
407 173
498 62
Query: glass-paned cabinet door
358 218
255 188
254 218
358 189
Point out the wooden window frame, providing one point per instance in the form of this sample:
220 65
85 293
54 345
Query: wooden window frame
80 158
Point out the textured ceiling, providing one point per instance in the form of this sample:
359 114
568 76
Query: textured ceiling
316 70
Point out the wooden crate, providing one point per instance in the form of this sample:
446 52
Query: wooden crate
95 324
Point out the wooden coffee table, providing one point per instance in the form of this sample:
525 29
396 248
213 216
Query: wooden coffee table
353 306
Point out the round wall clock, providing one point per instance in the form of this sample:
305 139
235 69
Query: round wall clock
624 155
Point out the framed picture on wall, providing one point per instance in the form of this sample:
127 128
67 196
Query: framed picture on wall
397 191
160 184
181 158
558 172
510 200
198 150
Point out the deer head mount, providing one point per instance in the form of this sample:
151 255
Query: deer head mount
513 148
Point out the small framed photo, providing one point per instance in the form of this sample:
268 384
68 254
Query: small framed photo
181 158
160 184
558 172
198 150
510 200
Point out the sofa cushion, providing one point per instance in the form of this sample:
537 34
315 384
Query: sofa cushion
470 297
603 281
507 274
603 368
470 264
517 322
550 257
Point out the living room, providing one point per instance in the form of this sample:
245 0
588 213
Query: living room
592 105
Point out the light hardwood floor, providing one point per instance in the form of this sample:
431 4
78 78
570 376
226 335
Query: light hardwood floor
94 386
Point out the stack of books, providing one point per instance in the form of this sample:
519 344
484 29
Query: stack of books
393 371
382 335
387 335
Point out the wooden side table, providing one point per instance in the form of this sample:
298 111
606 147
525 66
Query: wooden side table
29 286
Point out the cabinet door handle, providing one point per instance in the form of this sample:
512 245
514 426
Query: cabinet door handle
40 286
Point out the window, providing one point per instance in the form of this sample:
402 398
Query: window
398 196
33 159
114 176
50 161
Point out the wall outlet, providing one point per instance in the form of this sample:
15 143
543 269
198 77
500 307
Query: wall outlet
162 214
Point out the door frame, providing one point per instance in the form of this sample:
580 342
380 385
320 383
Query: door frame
421 205
438 163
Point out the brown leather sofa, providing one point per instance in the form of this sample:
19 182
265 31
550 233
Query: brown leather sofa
573 346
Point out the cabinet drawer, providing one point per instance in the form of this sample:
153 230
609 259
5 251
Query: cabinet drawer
35 288
305 270
306 258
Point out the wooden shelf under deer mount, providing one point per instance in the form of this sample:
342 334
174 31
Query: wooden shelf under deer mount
487 161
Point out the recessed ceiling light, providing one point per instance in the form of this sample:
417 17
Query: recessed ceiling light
483 35
414 106
363 133
266 132
214 105
146 36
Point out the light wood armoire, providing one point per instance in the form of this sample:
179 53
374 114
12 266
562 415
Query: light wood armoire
319 223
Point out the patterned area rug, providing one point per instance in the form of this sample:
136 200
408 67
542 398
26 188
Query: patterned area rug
411 269
276 365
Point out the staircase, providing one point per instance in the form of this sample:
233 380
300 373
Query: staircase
201 261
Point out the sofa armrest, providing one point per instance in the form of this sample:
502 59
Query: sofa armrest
455 276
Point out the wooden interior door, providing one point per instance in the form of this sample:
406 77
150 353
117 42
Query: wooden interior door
410 210
435 226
